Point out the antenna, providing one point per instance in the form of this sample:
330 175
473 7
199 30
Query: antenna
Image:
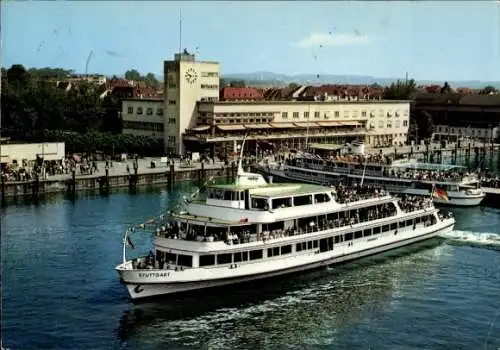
88 62
180 30
240 161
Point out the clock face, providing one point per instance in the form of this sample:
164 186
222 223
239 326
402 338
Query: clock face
191 76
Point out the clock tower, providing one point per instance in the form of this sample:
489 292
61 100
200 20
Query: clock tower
186 81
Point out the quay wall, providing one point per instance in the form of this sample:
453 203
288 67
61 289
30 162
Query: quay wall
492 198
104 183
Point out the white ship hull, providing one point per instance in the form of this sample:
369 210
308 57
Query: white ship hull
156 282
458 199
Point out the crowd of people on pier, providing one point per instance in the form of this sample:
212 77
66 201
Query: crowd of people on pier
42 169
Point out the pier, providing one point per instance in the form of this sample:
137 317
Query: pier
459 152
492 197
121 175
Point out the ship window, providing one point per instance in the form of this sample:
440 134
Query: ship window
376 230
337 239
259 203
185 260
409 222
367 232
273 252
323 245
240 256
223 259
282 203
315 244
286 249
394 226
321 198
256 254
385 228
310 245
402 224
207 260
302 200
348 236
417 220
228 195
298 247
358 234
170 258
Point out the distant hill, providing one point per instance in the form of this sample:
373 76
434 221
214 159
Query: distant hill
270 78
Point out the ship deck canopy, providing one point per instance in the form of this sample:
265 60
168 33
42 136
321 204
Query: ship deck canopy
200 128
257 126
282 125
277 189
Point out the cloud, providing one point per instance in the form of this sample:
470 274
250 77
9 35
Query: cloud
332 39
113 53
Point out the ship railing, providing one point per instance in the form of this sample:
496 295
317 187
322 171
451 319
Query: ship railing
234 238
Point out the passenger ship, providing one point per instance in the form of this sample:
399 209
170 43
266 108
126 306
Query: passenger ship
253 229
460 191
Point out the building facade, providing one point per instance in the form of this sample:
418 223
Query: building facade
17 153
456 115
144 117
293 124
192 117
186 82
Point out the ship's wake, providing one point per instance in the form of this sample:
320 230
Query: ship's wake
485 239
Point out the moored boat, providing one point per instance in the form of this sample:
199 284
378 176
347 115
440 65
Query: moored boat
445 183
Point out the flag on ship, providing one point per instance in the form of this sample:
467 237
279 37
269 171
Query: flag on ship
439 193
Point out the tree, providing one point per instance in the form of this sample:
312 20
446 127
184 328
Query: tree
400 90
150 79
446 88
133 74
17 74
293 86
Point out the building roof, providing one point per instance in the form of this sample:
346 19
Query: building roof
278 102
455 98
243 93
480 100
277 189
343 91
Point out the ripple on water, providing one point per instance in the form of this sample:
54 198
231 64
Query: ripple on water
61 290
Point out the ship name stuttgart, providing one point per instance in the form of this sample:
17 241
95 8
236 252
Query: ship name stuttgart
153 274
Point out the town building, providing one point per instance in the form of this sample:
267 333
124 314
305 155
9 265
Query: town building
457 115
18 152
293 124
186 82
144 117
198 116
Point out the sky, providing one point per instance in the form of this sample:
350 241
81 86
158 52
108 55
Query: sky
434 40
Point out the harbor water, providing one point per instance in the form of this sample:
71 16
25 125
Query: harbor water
60 290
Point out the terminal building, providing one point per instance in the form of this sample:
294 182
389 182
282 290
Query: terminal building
195 115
